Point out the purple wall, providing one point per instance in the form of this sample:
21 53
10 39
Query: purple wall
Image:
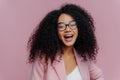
19 17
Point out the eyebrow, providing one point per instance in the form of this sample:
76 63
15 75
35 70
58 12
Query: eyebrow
64 23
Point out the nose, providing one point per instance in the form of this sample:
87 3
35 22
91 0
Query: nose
67 28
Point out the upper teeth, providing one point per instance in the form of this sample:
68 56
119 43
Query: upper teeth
68 35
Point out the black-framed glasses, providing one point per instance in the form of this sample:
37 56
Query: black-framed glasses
62 26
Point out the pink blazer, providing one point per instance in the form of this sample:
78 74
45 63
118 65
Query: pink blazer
56 70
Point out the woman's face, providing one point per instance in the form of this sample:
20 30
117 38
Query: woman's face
67 29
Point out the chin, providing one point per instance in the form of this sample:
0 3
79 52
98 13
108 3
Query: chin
68 44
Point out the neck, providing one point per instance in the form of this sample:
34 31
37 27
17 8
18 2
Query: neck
68 50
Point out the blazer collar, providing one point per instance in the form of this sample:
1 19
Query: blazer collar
81 65
59 66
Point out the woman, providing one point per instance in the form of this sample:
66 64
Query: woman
64 47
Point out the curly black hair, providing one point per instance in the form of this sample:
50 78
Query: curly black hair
45 41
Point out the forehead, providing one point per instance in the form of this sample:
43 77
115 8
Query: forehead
65 18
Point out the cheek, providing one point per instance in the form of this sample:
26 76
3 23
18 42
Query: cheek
76 32
60 35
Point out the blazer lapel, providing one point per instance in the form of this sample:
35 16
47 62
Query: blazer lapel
82 66
59 68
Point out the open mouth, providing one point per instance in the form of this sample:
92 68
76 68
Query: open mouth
68 37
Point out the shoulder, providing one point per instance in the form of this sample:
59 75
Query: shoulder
38 69
40 61
95 72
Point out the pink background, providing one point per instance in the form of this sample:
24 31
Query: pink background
19 17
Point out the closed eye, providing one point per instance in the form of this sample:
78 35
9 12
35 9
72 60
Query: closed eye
61 25
73 23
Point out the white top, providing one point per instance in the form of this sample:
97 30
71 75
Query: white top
74 75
